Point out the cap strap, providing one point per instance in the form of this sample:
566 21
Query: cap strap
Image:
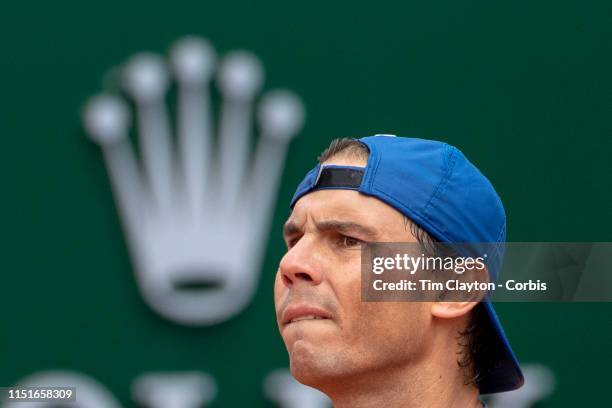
332 176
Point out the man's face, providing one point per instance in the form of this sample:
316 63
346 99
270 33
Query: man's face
328 331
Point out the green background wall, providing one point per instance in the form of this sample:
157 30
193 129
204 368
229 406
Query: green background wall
522 87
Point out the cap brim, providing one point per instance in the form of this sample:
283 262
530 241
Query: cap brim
501 373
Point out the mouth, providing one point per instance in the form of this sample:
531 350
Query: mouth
300 313
309 317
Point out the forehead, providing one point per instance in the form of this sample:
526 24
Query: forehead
340 203
334 202
348 206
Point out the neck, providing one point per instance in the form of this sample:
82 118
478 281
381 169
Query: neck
405 387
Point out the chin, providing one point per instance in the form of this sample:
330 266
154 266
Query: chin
309 374
313 366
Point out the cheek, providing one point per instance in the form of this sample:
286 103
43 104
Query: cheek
356 316
365 320
279 287
379 330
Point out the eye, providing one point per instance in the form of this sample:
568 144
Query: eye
349 242
292 241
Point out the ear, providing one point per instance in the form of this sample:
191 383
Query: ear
461 303
450 310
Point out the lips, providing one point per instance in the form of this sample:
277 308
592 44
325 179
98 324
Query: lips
309 317
297 313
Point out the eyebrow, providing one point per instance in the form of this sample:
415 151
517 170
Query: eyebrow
290 228
343 227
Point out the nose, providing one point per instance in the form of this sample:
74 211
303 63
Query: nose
300 265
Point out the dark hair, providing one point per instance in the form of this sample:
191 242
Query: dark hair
345 147
474 340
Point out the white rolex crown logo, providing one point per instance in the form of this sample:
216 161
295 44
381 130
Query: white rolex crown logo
196 210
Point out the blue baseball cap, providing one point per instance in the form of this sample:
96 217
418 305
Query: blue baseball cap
439 189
